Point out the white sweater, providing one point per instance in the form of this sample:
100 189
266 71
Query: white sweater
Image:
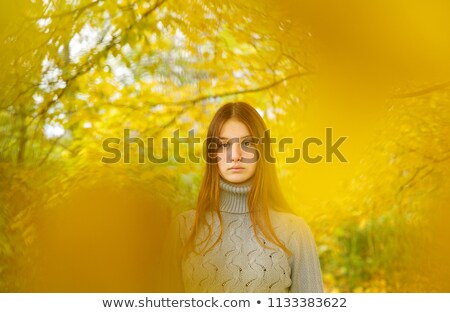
238 263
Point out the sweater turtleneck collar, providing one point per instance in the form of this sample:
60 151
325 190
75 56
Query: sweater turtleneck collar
233 197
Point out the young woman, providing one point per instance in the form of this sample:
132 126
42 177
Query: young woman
241 237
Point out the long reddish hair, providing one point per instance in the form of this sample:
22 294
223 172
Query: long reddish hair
265 190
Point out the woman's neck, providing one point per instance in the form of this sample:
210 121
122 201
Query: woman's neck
234 197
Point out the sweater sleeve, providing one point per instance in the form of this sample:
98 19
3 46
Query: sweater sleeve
306 274
171 275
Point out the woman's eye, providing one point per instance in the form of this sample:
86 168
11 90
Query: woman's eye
223 145
247 143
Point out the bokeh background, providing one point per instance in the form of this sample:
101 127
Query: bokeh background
73 73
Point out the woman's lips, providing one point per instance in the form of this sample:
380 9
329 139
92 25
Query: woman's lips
236 169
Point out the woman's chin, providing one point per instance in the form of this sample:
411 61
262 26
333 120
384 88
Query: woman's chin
237 178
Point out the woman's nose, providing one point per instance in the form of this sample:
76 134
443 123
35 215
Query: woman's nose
236 152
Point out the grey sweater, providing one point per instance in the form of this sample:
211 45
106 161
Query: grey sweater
238 263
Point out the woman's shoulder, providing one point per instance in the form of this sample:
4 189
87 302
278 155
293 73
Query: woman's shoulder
181 224
294 229
186 217
186 214
284 219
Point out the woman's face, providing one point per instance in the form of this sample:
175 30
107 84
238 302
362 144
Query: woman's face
237 157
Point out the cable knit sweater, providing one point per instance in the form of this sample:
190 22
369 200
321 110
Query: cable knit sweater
238 263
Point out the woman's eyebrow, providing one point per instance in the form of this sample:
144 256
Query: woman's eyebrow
239 138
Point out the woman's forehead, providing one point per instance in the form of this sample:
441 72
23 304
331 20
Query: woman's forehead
234 129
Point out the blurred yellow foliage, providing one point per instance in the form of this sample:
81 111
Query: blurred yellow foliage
75 73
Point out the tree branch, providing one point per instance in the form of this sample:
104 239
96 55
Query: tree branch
190 103
232 93
54 143
78 10
422 91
